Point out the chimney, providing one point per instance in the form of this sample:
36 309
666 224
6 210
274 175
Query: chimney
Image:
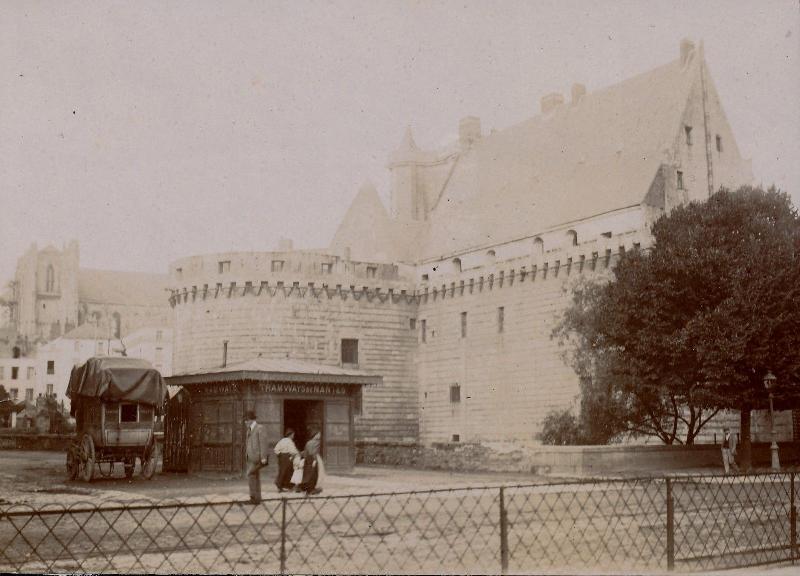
285 244
469 131
687 48
551 102
578 92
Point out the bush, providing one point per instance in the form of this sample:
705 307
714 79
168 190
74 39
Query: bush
560 428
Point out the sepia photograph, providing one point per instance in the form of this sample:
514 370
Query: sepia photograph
400 287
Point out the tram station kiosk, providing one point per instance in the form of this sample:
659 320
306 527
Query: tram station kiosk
204 425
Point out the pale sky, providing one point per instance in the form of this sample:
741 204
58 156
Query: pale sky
151 131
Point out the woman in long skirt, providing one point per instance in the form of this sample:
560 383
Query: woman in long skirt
311 466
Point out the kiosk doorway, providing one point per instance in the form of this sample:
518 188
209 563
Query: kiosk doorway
304 417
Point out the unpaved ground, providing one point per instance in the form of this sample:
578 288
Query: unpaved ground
39 478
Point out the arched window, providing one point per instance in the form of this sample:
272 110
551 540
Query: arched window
572 238
457 265
96 317
117 324
50 279
538 247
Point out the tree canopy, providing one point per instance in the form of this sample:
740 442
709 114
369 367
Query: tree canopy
692 325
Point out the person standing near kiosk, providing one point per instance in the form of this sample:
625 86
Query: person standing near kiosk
257 455
285 450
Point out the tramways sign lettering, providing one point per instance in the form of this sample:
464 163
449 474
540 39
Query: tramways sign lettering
278 388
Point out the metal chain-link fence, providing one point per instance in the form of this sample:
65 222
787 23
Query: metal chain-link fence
690 523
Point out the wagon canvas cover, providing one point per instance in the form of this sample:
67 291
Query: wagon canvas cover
116 379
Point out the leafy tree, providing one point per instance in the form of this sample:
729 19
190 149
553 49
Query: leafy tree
692 325
560 428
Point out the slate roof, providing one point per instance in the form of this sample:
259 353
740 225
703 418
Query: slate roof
577 161
113 287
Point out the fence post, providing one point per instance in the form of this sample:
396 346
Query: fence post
670 527
283 536
503 533
792 519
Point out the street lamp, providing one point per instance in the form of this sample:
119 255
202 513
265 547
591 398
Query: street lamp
769 383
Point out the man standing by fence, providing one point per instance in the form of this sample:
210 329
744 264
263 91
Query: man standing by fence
728 450
257 455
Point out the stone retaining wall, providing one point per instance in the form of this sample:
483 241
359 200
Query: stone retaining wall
561 460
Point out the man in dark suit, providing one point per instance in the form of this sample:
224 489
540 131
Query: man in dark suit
257 455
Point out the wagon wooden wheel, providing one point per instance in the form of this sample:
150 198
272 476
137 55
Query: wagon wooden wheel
149 461
87 458
73 461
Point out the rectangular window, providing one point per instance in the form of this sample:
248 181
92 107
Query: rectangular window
412 323
29 394
424 277
456 437
423 330
349 351
680 180
501 319
455 394
224 266
372 271
327 268
30 372
14 372
463 324
277 266
49 389
688 130
719 143
129 413
14 392
51 366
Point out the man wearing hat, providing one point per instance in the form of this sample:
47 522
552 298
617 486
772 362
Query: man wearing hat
728 450
257 455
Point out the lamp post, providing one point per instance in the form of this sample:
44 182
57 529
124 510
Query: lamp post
769 383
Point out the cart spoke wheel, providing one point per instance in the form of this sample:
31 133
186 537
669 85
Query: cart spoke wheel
149 462
87 458
73 461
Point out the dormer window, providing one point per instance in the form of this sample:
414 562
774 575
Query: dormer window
688 130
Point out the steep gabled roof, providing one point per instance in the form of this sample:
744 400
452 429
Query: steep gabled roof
368 230
113 287
577 161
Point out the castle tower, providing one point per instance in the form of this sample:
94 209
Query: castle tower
408 199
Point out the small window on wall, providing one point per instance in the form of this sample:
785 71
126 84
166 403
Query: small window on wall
456 438
30 372
688 130
501 319
29 394
463 324
129 413
719 143
455 394
14 372
327 268
412 323
349 351
372 271
680 180
49 389
423 330
277 266
51 366
224 266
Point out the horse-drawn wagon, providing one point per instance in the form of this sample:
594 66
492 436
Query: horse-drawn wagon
115 403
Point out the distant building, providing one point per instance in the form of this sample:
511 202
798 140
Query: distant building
52 294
